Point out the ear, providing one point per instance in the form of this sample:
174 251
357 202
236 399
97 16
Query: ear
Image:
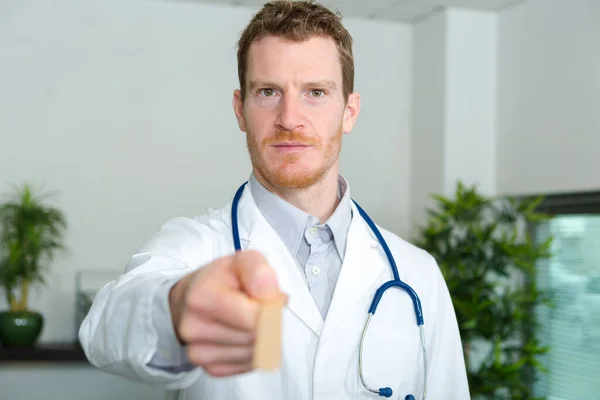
238 109
351 112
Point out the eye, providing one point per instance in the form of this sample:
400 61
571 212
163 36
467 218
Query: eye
267 92
317 93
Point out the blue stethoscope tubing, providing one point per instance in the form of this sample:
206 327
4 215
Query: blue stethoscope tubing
396 282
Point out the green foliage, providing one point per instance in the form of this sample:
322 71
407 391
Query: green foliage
31 232
488 258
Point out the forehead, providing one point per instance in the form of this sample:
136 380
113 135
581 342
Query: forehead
280 59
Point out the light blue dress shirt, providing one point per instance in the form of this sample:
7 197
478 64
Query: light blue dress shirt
318 249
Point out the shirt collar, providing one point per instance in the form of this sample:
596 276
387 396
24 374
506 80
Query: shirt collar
290 223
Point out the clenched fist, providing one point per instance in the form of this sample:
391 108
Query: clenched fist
215 309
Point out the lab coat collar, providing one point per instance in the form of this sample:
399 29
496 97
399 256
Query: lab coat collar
257 234
363 264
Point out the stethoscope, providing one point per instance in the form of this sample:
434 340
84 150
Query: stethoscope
396 282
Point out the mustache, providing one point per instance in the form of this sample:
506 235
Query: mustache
291 136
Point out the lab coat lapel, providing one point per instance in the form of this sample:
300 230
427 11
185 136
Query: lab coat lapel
257 234
364 262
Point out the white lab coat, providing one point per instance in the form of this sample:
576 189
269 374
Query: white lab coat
320 358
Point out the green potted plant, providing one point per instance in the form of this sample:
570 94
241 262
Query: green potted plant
31 232
485 252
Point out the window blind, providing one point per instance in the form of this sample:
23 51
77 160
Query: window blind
571 328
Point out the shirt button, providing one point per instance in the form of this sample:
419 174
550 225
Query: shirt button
316 271
313 230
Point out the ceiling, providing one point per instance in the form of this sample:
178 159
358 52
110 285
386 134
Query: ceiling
395 10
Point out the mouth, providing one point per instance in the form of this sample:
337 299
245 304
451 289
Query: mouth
290 146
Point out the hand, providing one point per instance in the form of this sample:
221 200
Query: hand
215 308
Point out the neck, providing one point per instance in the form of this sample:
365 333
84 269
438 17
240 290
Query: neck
320 199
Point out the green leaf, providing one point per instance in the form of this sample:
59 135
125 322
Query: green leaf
31 233
480 247
469 324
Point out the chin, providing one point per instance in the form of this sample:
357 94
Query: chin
293 177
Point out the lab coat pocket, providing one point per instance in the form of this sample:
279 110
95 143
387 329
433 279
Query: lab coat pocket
391 358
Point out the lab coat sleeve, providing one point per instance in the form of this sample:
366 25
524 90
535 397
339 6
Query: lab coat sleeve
119 334
447 375
170 355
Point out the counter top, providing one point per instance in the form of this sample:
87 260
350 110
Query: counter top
44 352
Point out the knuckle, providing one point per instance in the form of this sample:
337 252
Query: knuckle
193 328
187 326
184 331
196 355
203 299
193 356
214 371
207 355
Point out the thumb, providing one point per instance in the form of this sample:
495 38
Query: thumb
256 277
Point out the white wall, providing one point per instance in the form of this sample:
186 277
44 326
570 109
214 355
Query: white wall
428 114
376 155
125 109
470 117
509 102
454 106
549 97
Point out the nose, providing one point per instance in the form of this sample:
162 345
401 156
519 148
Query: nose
290 114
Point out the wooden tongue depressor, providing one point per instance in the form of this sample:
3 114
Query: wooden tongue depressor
267 347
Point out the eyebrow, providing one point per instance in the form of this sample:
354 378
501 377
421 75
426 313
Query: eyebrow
322 84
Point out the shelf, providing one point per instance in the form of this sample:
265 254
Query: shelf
44 353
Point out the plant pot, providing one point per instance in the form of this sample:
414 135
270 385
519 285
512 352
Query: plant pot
20 328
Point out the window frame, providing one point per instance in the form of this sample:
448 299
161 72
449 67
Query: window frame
569 203
555 204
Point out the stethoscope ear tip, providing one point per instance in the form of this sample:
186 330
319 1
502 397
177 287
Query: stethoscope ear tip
409 397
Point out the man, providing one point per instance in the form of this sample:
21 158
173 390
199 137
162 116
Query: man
184 314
